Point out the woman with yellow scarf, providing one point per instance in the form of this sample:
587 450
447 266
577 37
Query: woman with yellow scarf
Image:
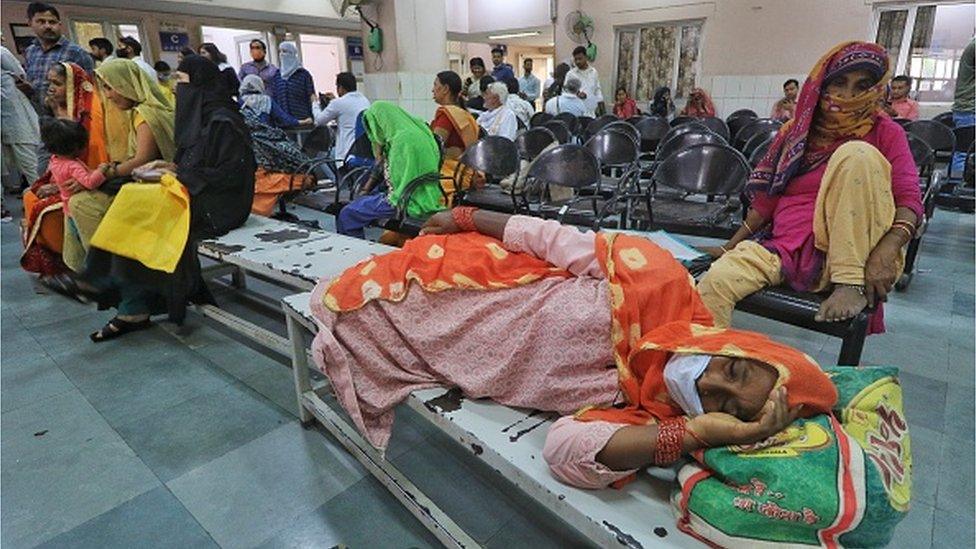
832 203
152 118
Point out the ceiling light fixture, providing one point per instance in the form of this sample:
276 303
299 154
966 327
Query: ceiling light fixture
513 35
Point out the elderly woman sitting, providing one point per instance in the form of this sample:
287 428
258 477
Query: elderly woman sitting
590 320
834 200
498 118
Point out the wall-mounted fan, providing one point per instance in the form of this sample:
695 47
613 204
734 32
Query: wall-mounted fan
375 39
579 27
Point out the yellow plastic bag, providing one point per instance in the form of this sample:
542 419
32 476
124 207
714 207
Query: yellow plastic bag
147 222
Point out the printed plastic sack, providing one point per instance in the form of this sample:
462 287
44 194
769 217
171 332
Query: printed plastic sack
841 480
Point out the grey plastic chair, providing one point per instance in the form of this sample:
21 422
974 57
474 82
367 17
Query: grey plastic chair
539 118
693 127
568 165
652 130
572 123
622 127
704 168
685 140
680 120
738 120
533 141
614 149
743 112
495 158
945 119
760 125
559 129
598 123
717 125
756 140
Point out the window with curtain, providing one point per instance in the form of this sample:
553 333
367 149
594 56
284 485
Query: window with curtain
658 55
926 42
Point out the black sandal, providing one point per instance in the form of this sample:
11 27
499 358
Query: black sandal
118 327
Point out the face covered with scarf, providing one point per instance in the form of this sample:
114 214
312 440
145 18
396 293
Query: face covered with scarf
838 103
198 94
288 56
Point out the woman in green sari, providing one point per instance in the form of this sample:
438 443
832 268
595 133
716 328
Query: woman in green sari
405 149
153 119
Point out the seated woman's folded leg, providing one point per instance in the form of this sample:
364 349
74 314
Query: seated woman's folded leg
855 209
745 269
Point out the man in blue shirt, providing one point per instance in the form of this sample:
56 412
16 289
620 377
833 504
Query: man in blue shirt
502 71
49 48
529 85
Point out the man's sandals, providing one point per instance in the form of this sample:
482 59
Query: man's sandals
118 327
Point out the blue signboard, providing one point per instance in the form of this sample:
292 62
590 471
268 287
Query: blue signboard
354 48
174 41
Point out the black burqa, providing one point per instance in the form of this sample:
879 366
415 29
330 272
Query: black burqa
215 162
661 106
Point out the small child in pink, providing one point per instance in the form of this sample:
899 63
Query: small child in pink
66 140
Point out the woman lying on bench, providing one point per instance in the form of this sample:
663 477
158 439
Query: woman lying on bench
834 200
534 314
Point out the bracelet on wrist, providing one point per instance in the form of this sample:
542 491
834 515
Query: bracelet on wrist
670 437
464 218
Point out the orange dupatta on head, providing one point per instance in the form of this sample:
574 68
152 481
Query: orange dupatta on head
657 312
85 107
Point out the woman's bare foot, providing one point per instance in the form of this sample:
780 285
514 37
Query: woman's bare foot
844 303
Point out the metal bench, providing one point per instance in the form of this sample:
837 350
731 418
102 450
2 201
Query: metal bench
288 255
510 441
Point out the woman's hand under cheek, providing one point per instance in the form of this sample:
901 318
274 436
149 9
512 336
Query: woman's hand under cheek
721 429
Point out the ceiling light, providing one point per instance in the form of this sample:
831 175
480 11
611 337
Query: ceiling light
513 35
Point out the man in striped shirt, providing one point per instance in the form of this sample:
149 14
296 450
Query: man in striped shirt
49 48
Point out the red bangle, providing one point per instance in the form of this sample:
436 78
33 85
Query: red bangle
670 436
464 218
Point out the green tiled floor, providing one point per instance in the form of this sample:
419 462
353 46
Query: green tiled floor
189 439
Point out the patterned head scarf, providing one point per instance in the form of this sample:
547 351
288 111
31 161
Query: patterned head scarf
699 104
823 122
84 106
126 78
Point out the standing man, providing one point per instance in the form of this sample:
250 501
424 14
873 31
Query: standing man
344 110
501 71
18 124
529 85
130 48
101 49
49 48
260 66
590 91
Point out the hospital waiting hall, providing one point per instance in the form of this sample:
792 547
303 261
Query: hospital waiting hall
487 273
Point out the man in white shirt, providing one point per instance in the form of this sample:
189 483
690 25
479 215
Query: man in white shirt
344 109
529 85
569 101
523 109
590 91
498 119
130 48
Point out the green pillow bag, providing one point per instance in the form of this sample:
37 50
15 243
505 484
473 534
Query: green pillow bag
838 480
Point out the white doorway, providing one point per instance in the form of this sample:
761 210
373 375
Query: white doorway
234 43
324 57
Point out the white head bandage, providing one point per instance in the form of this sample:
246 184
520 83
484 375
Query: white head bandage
680 374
